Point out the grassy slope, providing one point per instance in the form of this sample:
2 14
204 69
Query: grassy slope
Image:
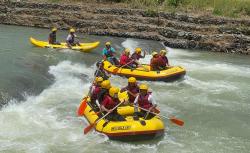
228 8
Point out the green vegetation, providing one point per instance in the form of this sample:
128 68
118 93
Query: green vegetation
231 8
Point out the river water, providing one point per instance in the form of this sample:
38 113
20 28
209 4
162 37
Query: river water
40 90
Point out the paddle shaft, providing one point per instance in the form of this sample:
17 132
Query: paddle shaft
125 64
88 128
174 120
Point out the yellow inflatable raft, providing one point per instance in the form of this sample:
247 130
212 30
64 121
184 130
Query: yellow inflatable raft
129 130
144 73
85 47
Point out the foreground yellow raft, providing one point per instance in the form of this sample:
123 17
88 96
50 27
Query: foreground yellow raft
144 73
85 47
129 130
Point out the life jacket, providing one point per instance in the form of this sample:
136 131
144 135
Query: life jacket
154 63
72 39
143 101
124 59
136 56
109 102
109 52
101 73
134 90
163 60
103 92
95 93
52 38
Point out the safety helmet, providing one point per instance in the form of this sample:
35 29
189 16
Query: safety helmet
106 84
54 29
132 80
126 50
72 30
163 52
138 50
113 91
98 79
107 43
154 53
143 87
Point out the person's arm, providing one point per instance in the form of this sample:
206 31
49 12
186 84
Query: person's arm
113 51
136 104
144 54
105 109
152 101
104 54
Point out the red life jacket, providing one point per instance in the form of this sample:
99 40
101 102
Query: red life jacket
163 60
143 101
124 59
136 56
154 63
95 92
134 90
109 102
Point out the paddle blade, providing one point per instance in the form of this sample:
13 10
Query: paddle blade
116 70
88 128
82 107
177 121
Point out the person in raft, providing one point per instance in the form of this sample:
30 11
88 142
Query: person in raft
95 90
100 72
105 86
125 60
70 40
109 102
52 37
108 54
144 100
155 62
132 89
163 60
137 55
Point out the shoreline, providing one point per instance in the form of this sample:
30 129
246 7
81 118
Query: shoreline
209 33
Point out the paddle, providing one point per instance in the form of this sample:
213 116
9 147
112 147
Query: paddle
116 69
172 119
88 128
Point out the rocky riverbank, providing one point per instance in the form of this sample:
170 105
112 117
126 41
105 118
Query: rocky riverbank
175 30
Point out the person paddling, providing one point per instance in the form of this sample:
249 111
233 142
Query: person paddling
144 100
132 89
109 102
95 90
52 37
108 54
163 60
100 72
105 86
70 40
154 62
125 60
137 55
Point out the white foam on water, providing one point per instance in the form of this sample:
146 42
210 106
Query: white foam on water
130 44
48 119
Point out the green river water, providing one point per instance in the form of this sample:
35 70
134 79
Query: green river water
40 90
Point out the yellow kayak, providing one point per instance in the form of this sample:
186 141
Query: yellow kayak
144 73
85 47
129 130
